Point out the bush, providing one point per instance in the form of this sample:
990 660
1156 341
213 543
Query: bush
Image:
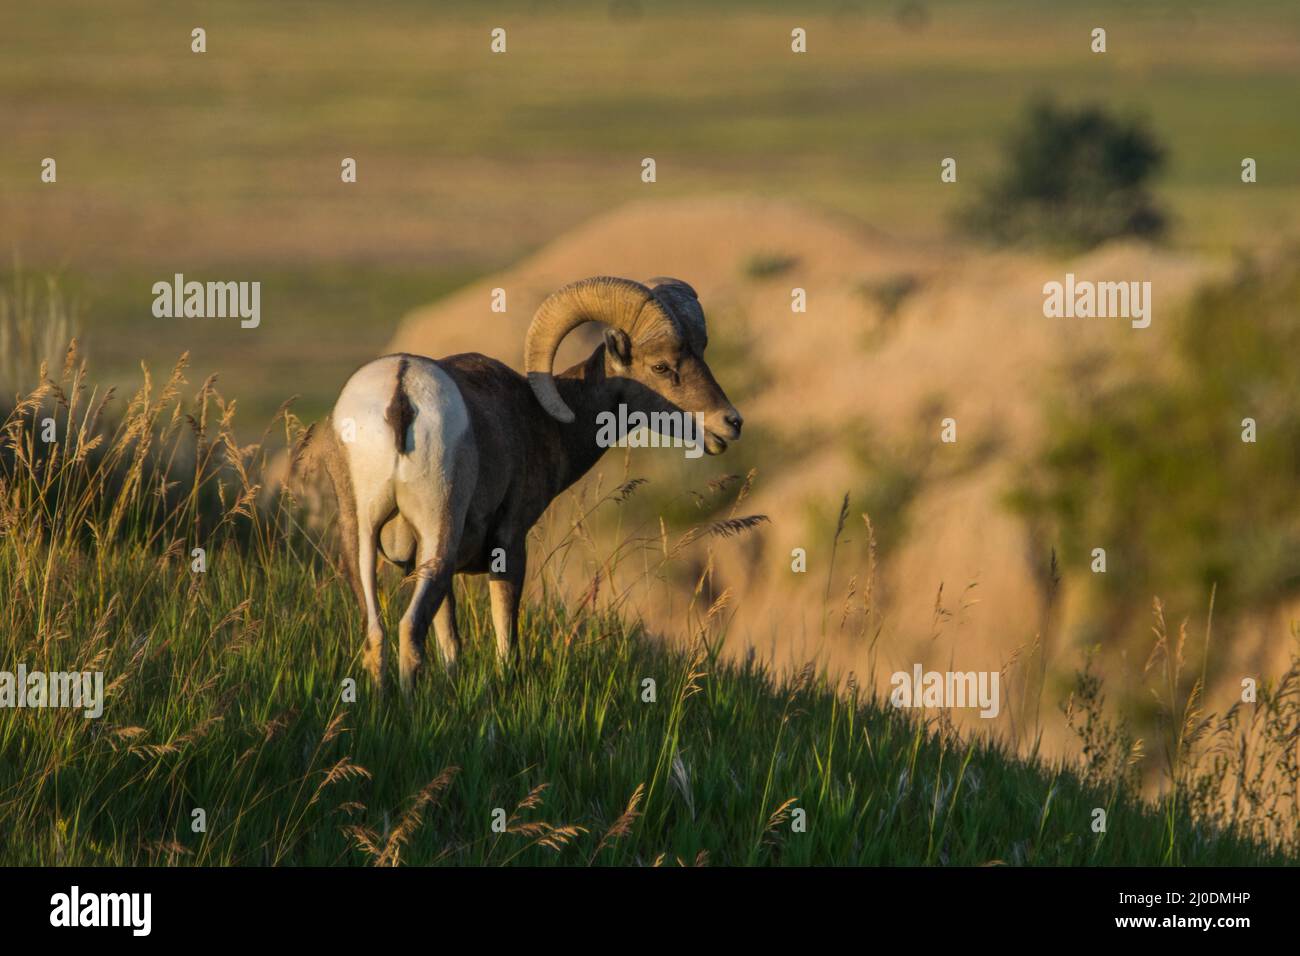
1154 467
1073 177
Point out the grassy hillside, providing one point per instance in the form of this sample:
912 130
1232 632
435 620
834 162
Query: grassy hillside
228 699
226 695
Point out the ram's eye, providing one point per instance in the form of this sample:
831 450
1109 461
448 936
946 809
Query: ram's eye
662 368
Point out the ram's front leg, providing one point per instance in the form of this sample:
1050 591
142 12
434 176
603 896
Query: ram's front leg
505 586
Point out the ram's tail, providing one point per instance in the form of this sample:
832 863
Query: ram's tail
400 412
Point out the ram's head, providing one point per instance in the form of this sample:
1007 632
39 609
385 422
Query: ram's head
655 338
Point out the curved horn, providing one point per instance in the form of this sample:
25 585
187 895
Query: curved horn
620 303
684 304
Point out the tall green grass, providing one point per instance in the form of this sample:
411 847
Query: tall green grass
229 692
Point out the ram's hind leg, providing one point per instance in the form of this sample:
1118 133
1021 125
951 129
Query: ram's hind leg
432 585
358 541
367 557
345 510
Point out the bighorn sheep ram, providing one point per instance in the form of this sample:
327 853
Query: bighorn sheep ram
443 466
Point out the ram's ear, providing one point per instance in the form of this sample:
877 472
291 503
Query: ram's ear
619 347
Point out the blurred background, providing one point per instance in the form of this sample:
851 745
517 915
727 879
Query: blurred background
775 170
